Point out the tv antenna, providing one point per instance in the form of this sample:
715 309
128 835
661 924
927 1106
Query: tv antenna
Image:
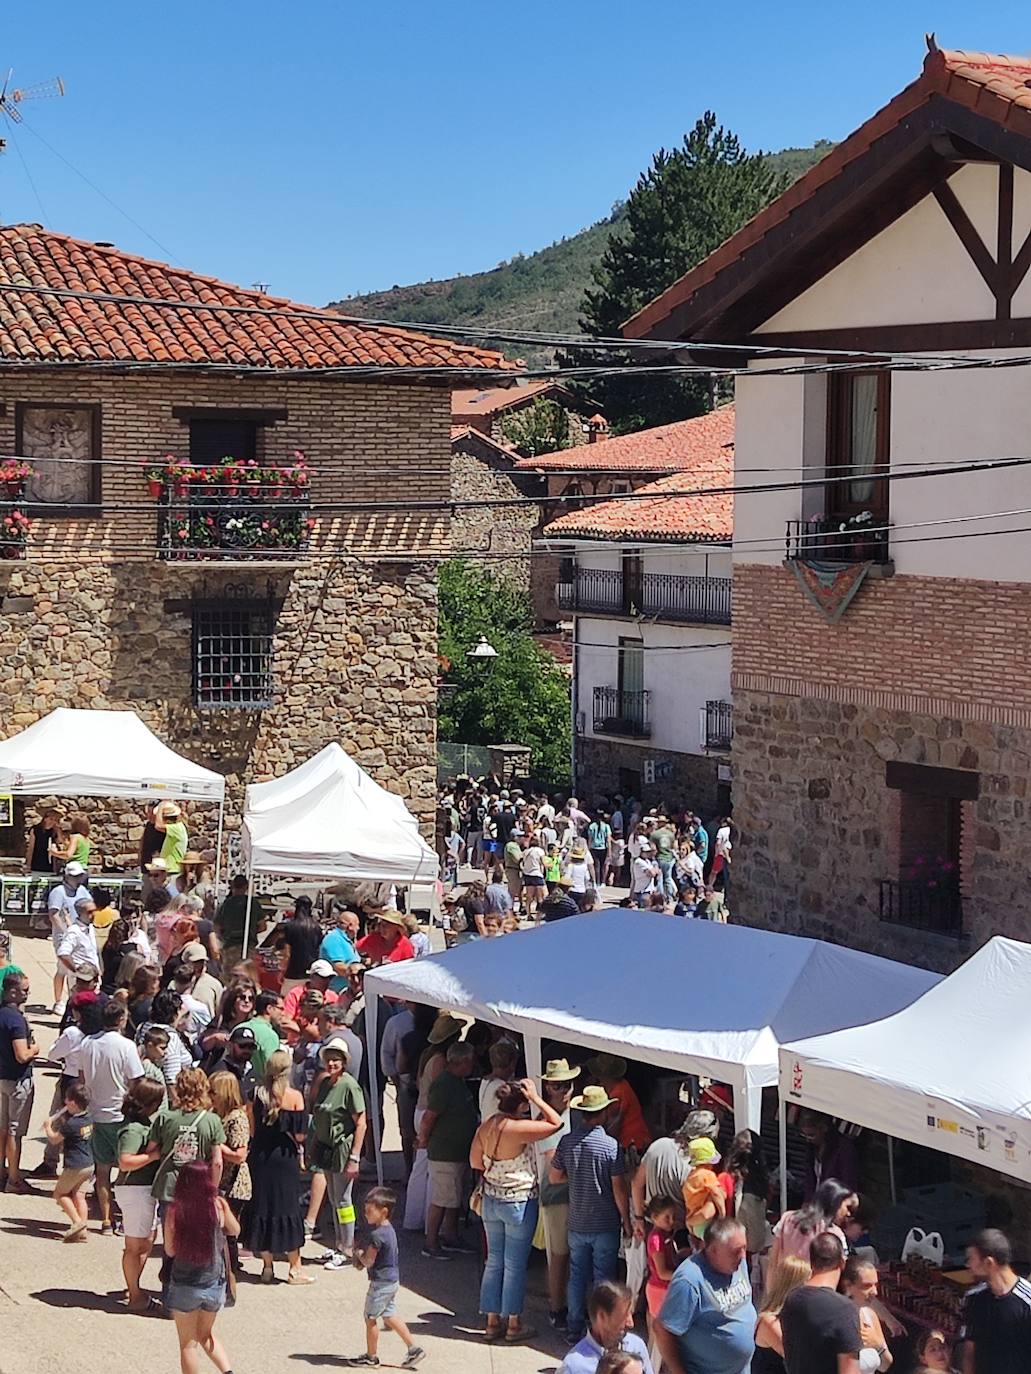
12 97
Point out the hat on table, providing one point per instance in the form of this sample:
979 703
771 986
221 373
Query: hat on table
558 1071
592 1099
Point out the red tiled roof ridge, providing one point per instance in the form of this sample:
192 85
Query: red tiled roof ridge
940 68
141 320
619 449
670 518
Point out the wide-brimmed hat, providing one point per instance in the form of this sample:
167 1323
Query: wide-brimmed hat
702 1151
444 1028
607 1066
592 1099
338 1045
388 914
171 808
157 865
192 857
579 850
559 1071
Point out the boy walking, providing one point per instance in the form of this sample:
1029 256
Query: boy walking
379 1256
71 1129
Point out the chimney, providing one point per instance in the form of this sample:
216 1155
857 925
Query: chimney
597 428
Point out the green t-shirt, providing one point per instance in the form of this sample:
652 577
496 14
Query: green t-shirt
82 850
232 915
333 1112
153 1072
663 840
132 1140
174 845
182 1137
268 1042
456 1121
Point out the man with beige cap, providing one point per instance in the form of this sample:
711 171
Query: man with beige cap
590 1160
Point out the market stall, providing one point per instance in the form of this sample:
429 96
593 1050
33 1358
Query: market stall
329 820
80 753
694 996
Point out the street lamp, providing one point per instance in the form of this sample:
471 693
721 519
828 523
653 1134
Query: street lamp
482 651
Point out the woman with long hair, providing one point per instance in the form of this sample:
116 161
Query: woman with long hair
184 933
133 1185
830 1208
78 846
790 1274
196 1228
236 1006
235 1187
143 988
503 1150
274 1220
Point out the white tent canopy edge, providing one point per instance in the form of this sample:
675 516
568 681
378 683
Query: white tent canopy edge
760 988
936 1073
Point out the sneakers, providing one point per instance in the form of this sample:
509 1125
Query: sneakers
437 1253
415 1354
335 1260
309 1230
362 1362
457 1247
558 1319
75 1232
58 1008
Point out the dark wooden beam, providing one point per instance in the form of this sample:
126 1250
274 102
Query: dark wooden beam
1004 244
928 781
938 337
268 416
968 237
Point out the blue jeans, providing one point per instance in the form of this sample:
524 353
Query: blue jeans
593 1255
666 883
509 1227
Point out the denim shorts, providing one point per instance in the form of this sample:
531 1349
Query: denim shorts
188 1298
381 1299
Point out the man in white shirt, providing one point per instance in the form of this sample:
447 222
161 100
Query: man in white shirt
109 1064
644 872
77 949
61 907
693 869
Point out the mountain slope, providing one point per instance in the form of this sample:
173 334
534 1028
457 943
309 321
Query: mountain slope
539 293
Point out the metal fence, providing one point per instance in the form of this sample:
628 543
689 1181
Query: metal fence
452 759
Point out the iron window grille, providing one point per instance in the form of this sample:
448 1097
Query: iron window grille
232 654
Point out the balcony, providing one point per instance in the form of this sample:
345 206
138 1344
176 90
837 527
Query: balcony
717 725
233 513
14 523
839 539
921 906
664 596
622 713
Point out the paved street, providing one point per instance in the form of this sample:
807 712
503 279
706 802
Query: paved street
60 1302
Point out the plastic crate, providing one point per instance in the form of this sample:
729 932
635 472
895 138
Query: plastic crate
892 1226
946 1205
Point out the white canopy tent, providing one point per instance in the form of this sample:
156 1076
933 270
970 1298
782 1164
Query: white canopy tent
328 819
79 753
950 1071
694 996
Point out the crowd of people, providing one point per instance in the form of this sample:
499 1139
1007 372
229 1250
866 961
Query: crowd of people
543 861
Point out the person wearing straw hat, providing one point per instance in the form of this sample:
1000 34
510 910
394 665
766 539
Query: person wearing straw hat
591 1162
557 1086
387 942
579 869
168 818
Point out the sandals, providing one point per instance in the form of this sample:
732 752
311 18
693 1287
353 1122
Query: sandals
521 1333
493 1332
298 1279
267 1274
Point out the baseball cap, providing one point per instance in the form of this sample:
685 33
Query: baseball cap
243 1035
74 869
194 951
321 968
157 865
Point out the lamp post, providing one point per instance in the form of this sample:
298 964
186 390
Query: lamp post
483 652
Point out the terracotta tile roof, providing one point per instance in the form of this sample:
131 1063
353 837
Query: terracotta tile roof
994 87
667 517
49 328
460 432
666 448
474 404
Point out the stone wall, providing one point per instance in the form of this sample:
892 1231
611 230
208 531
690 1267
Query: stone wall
694 781
502 534
93 618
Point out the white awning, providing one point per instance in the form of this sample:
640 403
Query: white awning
951 1071
74 753
329 819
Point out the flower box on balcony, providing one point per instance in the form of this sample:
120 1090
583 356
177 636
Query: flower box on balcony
236 510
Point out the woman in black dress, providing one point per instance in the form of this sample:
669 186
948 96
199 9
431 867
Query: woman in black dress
274 1222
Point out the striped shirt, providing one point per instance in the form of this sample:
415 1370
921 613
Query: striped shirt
999 1327
590 1158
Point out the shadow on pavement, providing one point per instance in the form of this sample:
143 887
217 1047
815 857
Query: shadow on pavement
79 1297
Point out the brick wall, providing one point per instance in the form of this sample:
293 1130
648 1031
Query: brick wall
919 670
92 618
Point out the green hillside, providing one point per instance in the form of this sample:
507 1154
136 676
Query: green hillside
540 292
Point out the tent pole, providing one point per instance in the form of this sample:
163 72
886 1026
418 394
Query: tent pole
218 846
782 1137
891 1169
250 899
371 1014
532 1054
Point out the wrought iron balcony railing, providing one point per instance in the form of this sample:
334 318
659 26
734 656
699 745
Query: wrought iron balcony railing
718 723
666 596
234 521
838 539
622 713
922 906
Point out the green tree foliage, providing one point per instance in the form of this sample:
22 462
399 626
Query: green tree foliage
541 427
685 205
522 696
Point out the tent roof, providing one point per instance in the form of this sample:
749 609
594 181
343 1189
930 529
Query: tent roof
950 1071
75 753
328 818
688 995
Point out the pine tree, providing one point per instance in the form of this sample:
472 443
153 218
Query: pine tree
685 205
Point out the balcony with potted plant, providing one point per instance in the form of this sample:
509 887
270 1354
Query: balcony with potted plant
233 511
14 523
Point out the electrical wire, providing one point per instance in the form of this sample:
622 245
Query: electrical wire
25 168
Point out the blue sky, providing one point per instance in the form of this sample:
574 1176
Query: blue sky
334 146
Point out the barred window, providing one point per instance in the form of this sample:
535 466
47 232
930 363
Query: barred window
232 654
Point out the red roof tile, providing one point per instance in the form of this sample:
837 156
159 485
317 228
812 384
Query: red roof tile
993 86
474 404
666 448
668 517
48 328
